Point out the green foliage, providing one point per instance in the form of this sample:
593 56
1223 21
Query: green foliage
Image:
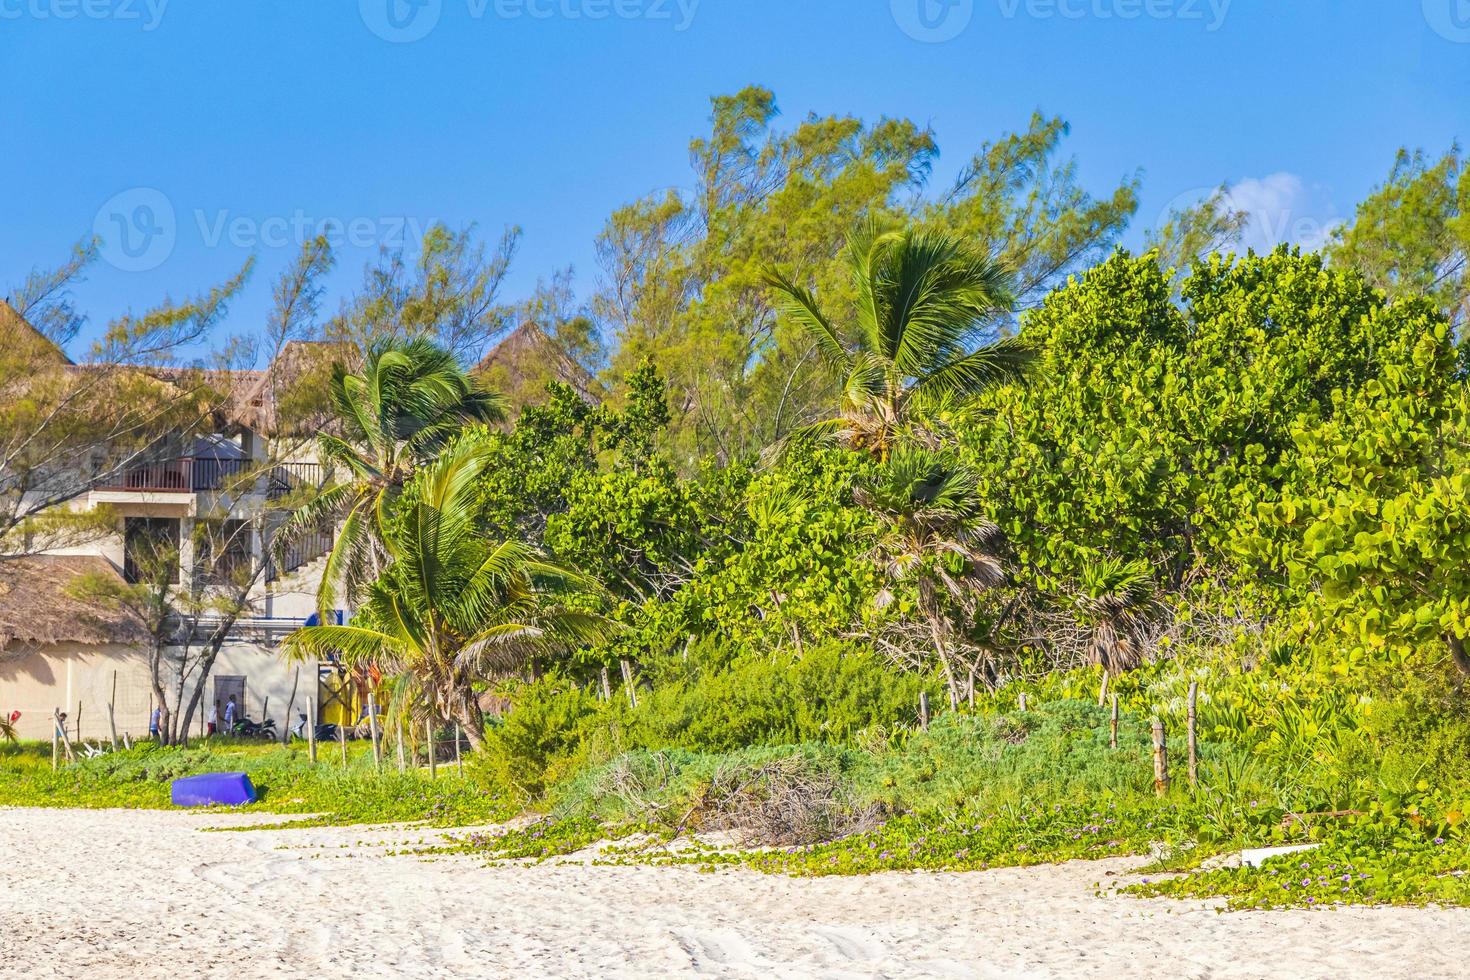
453 609
913 338
407 402
1351 868
1059 750
1154 431
285 779
1015 835
1411 236
684 270
705 701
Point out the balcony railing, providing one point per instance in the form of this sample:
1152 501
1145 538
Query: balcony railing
189 474
301 552
166 476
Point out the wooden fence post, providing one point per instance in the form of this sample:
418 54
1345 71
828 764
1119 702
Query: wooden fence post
342 741
1102 692
628 681
1021 701
60 727
311 730
1113 738
458 762
111 712
1193 757
79 723
1161 760
373 730
924 710
606 685
433 762
55 750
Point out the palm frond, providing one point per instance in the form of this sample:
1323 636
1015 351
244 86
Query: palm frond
352 644
1003 362
799 305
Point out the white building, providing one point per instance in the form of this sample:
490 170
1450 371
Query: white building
63 648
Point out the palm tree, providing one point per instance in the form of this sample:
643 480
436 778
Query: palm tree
452 609
936 539
913 340
408 400
1114 608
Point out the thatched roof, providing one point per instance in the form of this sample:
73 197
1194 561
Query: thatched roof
299 363
17 334
37 607
509 366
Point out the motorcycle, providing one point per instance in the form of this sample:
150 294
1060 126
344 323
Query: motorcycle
245 728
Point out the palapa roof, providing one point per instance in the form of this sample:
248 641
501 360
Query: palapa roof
528 344
297 362
17 331
37 606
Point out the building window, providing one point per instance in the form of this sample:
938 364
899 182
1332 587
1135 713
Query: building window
224 551
151 549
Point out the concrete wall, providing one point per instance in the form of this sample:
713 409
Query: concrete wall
61 676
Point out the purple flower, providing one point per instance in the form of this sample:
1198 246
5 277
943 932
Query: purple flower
1439 840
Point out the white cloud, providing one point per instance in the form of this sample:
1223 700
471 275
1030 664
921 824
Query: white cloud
1282 209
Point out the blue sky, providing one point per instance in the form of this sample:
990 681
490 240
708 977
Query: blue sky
253 122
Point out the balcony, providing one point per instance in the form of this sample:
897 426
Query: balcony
189 474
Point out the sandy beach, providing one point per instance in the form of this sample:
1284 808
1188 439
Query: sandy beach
147 894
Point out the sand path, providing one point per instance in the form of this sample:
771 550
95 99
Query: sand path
106 894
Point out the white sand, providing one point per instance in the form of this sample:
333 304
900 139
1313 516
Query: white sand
106 894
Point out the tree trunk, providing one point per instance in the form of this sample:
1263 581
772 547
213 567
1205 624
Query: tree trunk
160 699
206 665
472 721
1458 654
936 630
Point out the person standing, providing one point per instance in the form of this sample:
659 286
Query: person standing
230 712
153 723
213 723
